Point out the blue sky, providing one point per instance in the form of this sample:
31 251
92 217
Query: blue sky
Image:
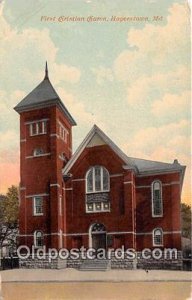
132 78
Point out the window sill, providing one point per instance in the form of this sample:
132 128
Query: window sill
96 212
38 215
38 134
40 155
96 192
43 154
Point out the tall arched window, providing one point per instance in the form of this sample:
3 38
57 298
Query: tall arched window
157 203
157 237
97 180
38 238
97 190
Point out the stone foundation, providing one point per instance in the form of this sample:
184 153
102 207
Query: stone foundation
122 264
160 264
35 263
74 263
113 263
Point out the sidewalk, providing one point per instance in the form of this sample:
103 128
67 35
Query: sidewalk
72 275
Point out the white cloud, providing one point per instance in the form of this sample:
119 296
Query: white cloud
27 50
78 109
65 73
147 140
149 87
8 117
127 66
158 62
172 105
160 42
103 74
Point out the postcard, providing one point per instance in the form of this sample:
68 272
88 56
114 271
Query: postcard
95 122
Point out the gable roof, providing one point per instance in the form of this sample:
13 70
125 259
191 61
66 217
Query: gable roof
44 95
85 143
140 166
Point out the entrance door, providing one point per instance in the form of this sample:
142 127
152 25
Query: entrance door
98 236
99 240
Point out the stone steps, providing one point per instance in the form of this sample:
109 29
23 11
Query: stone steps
95 265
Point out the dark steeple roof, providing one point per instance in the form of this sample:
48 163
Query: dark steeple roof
44 95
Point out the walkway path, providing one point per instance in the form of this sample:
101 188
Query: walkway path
72 275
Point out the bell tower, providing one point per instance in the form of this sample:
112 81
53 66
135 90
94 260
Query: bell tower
45 148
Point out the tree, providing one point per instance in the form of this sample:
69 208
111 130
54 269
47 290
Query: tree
186 220
9 207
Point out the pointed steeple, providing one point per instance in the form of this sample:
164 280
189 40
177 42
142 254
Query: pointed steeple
44 95
46 71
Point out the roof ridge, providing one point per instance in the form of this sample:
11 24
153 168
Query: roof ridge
156 161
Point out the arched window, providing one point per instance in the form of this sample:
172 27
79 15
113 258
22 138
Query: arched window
38 151
97 190
157 237
38 238
97 180
157 203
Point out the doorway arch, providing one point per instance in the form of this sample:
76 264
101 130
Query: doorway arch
97 236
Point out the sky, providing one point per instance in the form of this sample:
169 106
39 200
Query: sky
130 78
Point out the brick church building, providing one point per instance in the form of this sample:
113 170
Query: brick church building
96 197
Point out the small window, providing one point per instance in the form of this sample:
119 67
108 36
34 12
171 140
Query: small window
38 152
63 132
43 127
38 206
37 128
90 207
157 204
97 207
106 206
158 237
38 238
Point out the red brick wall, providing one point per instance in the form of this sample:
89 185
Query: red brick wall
171 208
77 219
137 216
38 173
